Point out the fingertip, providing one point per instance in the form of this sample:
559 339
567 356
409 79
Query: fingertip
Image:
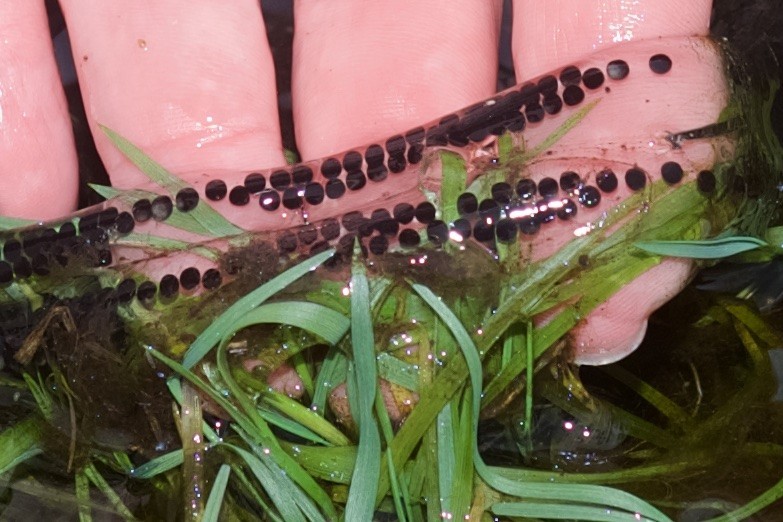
191 83
38 164
550 34
603 341
617 327
363 71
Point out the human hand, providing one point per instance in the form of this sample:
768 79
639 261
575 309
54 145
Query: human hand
193 86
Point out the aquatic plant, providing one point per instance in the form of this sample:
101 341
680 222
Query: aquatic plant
102 343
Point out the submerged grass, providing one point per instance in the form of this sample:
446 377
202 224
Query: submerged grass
362 388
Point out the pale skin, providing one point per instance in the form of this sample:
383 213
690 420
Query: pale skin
192 83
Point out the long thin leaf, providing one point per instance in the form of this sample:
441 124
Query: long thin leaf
310 494
246 487
19 443
333 372
553 511
82 486
400 493
398 372
159 465
320 320
364 482
454 179
662 403
215 500
207 217
280 490
704 249
773 494
446 448
193 448
99 482
10 223
306 417
149 242
559 133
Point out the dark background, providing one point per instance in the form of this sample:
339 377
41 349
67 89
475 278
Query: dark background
754 28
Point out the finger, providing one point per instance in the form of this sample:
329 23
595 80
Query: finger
363 71
38 167
620 134
617 327
548 34
190 82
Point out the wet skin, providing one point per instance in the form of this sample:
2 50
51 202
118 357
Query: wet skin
213 124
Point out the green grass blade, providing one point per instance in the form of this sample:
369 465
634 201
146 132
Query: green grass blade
19 443
364 481
398 372
207 217
704 249
165 244
767 498
505 147
215 332
186 221
99 482
774 237
279 488
215 500
430 488
320 320
333 371
749 316
41 396
563 512
82 486
153 170
193 448
657 399
292 416
246 487
236 415
559 133
529 367
454 179
119 460
158 465
175 387
10 223
400 493
330 464
458 331
508 480
306 417
291 426
446 458
303 369
462 486
306 494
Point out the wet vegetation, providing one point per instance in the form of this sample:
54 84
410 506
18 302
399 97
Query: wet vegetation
129 412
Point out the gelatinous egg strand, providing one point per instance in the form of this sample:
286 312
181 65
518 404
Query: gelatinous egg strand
513 210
